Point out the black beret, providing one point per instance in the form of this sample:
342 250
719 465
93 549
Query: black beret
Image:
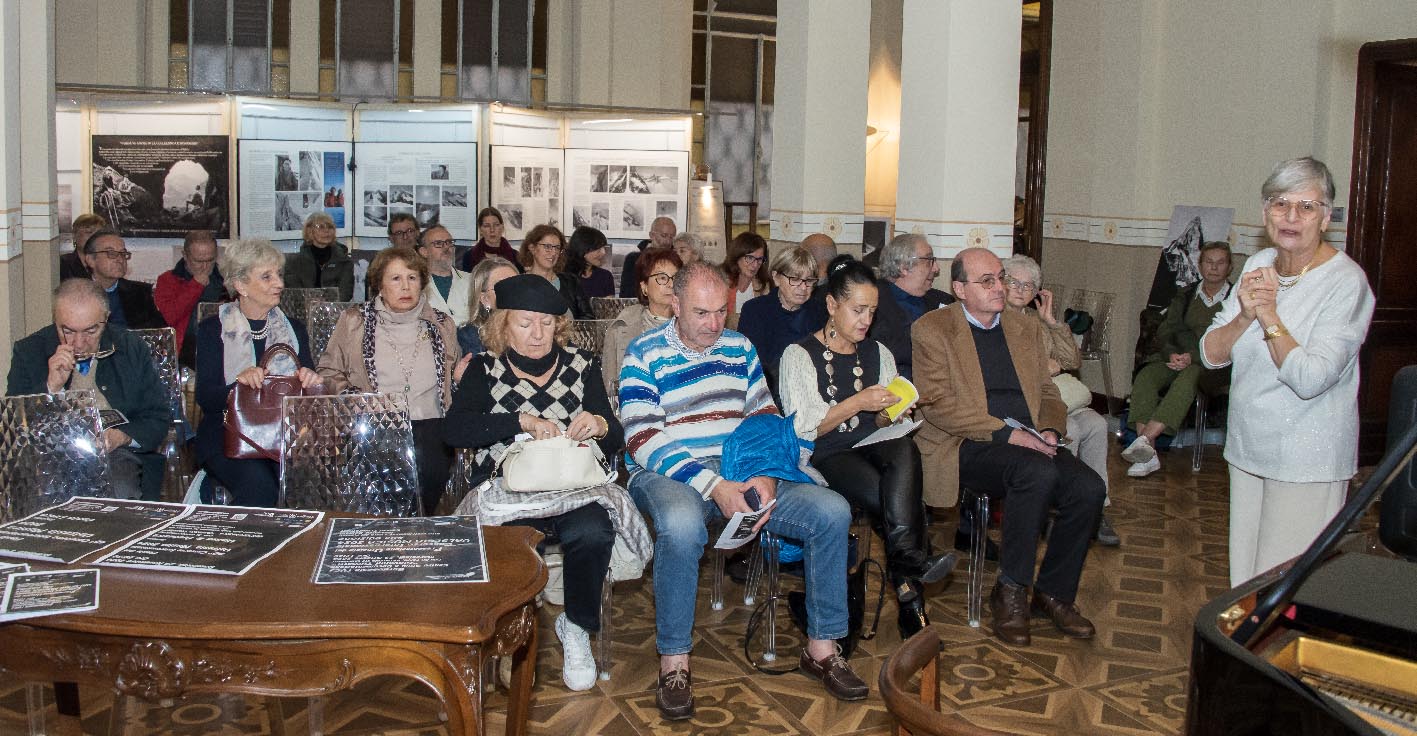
530 293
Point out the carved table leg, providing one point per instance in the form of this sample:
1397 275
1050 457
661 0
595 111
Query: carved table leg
66 698
523 674
462 695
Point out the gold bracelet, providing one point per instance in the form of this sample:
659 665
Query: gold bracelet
1274 332
604 427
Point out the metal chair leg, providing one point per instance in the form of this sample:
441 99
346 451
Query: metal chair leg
1199 451
978 542
716 597
602 637
769 543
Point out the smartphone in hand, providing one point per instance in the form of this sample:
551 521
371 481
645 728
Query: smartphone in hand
752 498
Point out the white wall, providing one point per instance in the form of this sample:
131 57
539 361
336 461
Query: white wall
630 53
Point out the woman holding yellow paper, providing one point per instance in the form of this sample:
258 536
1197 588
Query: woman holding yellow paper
834 383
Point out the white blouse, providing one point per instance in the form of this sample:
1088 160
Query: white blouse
802 399
1299 422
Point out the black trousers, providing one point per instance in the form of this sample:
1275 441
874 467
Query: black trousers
251 482
586 537
432 459
1033 483
884 480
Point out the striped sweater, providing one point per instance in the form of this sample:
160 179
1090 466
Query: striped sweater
678 405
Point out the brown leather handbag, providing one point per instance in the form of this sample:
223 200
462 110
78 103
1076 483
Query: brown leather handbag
253 414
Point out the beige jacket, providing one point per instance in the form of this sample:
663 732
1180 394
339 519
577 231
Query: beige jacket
342 365
952 398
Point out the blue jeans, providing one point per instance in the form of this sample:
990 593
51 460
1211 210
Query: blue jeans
816 516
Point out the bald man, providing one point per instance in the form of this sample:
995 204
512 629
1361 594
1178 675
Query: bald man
822 248
81 349
661 235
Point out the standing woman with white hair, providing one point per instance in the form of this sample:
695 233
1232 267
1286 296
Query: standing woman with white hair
1292 328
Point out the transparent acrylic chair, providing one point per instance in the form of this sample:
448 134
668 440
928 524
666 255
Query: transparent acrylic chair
296 302
162 345
609 307
321 318
589 334
352 452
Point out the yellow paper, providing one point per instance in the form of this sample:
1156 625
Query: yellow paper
903 388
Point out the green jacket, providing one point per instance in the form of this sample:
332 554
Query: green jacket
127 379
1186 320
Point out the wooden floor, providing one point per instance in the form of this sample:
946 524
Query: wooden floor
1131 679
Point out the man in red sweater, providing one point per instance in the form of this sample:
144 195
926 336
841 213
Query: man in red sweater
194 279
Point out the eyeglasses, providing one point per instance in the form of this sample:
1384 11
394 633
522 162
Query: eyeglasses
117 255
551 246
926 259
442 244
796 282
990 280
91 331
1307 209
322 226
411 232
1014 283
755 259
661 278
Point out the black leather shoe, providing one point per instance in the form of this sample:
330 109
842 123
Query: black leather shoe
927 569
1065 616
675 695
1009 604
841 682
912 618
991 549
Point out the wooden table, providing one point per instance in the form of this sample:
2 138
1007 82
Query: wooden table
159 635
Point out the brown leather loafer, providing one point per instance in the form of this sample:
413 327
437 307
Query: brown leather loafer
836 675
1065 616
675 695
1009 604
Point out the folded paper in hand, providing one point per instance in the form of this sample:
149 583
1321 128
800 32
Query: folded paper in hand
902 387
739 530
1016 424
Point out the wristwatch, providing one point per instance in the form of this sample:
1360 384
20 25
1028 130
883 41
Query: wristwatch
1275 331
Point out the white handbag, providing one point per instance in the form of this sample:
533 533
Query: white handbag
554 464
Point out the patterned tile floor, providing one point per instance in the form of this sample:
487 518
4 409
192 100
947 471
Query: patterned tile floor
1131 679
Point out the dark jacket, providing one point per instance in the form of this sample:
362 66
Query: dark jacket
629 286
301 270
892 324
571 290
71 266
127 379
139 310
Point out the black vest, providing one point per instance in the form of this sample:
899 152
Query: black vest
869 351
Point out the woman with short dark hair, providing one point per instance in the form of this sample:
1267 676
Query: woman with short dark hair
586 260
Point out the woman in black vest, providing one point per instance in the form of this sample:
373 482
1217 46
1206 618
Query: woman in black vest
834 383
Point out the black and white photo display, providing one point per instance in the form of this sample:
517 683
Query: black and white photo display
434 182
622 192
526 188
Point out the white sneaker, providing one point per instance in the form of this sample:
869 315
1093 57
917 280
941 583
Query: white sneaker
1142 470
1140 451
578 668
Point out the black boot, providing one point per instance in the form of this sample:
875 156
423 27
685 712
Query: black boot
911 617
925 569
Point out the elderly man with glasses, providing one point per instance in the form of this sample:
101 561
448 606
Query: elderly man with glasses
994 424
449 290
130 303
908 271
403 230
84 349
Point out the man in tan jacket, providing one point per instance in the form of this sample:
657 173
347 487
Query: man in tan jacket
977 365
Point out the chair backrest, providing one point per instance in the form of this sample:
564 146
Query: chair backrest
1099 305
49 452
460 480
589 334
162 345
352 452
320 323
296 302
919 712
609 307
207 309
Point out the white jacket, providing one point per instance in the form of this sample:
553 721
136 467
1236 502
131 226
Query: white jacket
458 299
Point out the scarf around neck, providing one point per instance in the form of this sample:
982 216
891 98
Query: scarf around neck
238 347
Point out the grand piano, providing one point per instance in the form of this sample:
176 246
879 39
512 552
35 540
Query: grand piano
1328 646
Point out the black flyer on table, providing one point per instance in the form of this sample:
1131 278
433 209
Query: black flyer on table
441 549
81 526
7 569
223 540
30 594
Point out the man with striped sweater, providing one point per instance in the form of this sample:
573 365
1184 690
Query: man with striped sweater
684 387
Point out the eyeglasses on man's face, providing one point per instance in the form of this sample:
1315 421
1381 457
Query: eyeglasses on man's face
405 234
989 280
1014 283
117 255
440 244
928 260
1307 209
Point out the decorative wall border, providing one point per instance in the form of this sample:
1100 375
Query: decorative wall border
794 225
1245 238
948 238
11 231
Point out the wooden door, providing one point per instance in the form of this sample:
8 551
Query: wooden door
1382 234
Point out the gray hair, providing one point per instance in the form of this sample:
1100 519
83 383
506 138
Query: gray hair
695 271
77 290
799 260
1298 173
693 241
898 255
481 274
238 258
1019 265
